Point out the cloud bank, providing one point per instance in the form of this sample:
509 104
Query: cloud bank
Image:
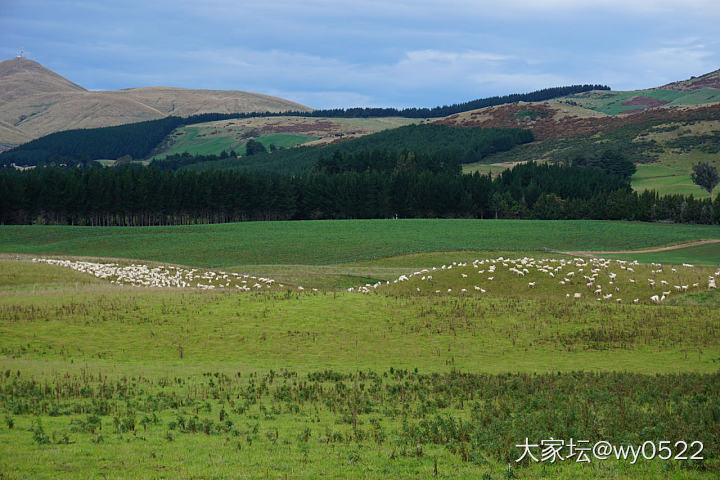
366 53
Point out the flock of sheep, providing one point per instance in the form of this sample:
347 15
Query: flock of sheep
609 280
165 276
604 279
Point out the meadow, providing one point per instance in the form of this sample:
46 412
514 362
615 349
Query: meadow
417 378
338 241
706 254
670 173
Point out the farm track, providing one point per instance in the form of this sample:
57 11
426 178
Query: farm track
666 248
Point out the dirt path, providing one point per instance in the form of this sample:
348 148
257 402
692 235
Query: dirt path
647 250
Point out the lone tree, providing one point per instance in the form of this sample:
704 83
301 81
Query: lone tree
253 147
705 175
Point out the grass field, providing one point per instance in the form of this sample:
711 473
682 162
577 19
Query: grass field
185 139
666 181
102 380
332 242
493 169
705 254
419 378
670 174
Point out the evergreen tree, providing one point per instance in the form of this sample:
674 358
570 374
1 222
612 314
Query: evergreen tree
705 175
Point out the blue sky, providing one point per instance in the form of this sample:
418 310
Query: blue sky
366 53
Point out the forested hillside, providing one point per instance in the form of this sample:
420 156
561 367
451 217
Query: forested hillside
80 146
463 145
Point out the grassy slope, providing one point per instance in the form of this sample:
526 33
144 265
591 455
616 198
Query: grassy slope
131 338
660 166
666 180
611 102
670 174
188 141
286 132
328 242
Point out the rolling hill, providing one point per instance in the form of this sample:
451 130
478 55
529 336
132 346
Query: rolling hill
282 132
580 114
693 91
35 101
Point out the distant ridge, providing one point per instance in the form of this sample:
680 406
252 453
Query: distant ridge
35 101
709 80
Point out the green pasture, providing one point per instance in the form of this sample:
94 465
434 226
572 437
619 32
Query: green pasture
213 137
332 242
611 102
670 173
106 381
99 380
188 141
185 139
666 180
701 255
698 97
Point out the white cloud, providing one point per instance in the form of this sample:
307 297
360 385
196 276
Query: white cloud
422 56
652 67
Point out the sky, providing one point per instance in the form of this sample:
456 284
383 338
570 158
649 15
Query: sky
341 53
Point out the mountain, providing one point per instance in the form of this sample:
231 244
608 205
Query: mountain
21 77
35 101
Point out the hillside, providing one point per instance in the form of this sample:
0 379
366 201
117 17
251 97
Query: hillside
663 142
709 80
580 114
35 101
21 77
282 132
12 134
431 139
556 120
694 91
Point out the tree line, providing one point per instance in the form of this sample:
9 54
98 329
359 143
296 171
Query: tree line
134 196
445 110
